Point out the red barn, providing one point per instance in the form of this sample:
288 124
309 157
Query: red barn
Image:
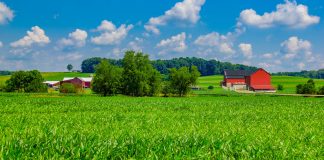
84 82
259 80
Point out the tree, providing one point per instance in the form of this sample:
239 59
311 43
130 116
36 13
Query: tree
182 79
69 67
308 88
107 80
88 65
280 87
30 81
139 76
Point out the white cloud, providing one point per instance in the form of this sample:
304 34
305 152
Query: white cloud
1 44
294 46
106 26
71 57
175 43
35 36
136 45
267 55
247 50
110 35
6 14
289 14
76 38
187 11
223 43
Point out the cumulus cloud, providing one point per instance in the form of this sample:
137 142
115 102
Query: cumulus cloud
223 43
294 46
186 11
71 57
35 36
76 38
246 49
176 43
1 44
136 44
109 34
6 14
289 14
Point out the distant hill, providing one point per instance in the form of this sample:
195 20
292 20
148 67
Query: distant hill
205 67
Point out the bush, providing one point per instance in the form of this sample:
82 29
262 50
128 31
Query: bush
70 88
308 88
26 81
280 87
321 91
210 87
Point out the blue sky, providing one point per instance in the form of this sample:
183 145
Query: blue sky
278 35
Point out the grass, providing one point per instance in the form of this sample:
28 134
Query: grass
289 83
36 126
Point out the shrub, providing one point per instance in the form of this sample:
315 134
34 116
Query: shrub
321 91
308 88
70 88
210 87
280 87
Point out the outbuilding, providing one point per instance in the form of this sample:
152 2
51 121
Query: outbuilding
259 80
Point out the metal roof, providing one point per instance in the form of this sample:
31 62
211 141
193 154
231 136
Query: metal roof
84 79
237 73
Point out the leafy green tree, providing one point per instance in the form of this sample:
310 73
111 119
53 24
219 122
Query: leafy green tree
69 67
308 88
182 79
107 80
88 65
139 76
30 81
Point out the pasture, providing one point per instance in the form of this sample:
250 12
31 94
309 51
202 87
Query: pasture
43 126
288 82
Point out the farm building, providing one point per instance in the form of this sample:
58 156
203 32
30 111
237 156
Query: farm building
52 84
84 82
257 81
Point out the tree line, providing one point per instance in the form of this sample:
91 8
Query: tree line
319 74
135 76
205 67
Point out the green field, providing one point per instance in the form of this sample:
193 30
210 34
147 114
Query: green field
36 126
289 83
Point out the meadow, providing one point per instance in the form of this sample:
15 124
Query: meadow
48 126
288 82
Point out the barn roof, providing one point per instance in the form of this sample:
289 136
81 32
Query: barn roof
237 73
84 79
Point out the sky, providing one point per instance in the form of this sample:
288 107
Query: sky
277 35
